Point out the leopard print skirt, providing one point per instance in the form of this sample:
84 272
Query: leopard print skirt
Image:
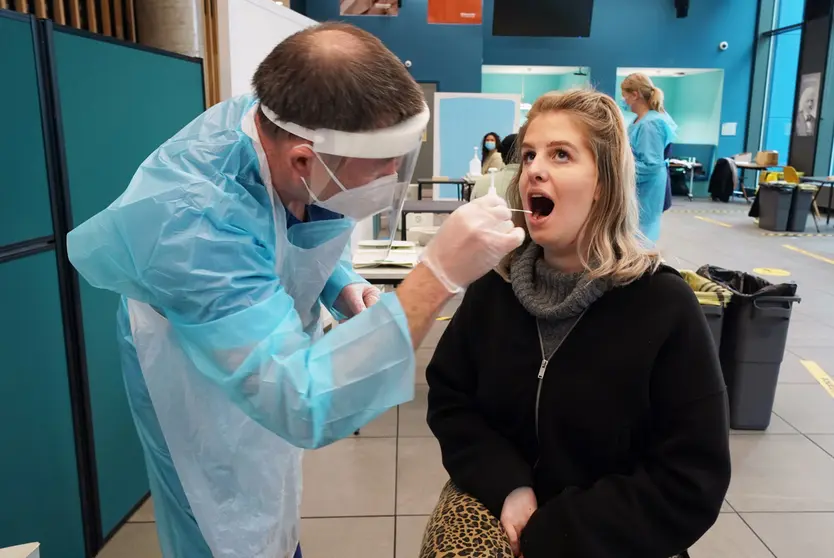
461 526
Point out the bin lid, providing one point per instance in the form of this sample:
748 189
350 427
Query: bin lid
778 186
745 285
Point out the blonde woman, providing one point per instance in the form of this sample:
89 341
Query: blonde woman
576 392
649 134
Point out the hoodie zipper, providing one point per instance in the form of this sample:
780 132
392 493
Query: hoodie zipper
543 369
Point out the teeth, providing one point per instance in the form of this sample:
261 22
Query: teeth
537 196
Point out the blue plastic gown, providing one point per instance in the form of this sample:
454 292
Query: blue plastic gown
649 137
236 286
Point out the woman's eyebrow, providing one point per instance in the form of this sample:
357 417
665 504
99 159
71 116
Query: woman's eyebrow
555 143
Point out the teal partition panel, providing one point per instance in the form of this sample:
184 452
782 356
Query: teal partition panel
24 191
117 105
39 493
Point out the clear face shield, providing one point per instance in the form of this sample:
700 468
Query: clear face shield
361 174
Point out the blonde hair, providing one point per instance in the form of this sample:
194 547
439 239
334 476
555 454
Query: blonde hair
614 249
642 84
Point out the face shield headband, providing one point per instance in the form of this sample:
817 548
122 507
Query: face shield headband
395 141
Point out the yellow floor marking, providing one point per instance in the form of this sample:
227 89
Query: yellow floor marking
713 211
771 271
798 235
809 254
819 374
714 221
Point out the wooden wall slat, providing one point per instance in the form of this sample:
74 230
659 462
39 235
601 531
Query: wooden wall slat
75 13
59 13
21 6
92 17
4 4
210 58
118 16
40 8
106 25
131 21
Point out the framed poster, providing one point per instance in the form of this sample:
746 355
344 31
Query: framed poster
806 108
456 11
369 7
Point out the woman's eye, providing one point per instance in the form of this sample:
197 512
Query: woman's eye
528 156
562 155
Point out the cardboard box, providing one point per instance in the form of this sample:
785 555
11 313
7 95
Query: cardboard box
767 158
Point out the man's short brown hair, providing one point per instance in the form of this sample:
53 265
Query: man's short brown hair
337 76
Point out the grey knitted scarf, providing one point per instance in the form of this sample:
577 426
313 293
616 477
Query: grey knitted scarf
556 299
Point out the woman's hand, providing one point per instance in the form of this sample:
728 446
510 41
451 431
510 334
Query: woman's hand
518 507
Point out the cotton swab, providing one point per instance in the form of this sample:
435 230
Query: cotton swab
492 191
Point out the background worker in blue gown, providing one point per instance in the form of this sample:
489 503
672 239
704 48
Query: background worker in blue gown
649 135
226 243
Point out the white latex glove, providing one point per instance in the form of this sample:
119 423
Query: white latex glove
518 508
471 242
355 298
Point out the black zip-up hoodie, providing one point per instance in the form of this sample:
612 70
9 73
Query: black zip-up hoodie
631 459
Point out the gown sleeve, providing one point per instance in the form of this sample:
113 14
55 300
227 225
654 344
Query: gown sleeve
193 250
341 277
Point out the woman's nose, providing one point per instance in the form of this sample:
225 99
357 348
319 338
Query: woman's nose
536 170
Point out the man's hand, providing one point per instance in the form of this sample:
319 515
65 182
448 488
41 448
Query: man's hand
355 298
518 507
472 241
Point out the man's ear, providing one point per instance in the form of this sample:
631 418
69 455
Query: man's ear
301 160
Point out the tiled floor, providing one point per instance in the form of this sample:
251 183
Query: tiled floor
368 497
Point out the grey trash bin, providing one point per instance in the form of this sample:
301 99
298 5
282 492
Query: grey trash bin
753 339
801 199
774 207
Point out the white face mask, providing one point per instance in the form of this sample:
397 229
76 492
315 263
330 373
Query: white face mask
360 202
363 201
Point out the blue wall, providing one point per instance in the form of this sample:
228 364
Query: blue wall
534 85
697 108
448 54
647 34
643 34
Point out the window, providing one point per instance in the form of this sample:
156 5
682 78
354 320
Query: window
784 63
788 13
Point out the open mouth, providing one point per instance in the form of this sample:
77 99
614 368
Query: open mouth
541 206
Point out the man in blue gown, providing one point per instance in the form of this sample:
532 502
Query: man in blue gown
225 245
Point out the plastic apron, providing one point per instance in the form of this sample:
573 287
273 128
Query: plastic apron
250 507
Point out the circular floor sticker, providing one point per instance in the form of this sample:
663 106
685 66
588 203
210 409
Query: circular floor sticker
772 271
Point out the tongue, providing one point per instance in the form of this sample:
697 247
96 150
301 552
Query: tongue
541 207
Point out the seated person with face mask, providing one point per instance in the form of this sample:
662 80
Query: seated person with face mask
503 176
577 393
